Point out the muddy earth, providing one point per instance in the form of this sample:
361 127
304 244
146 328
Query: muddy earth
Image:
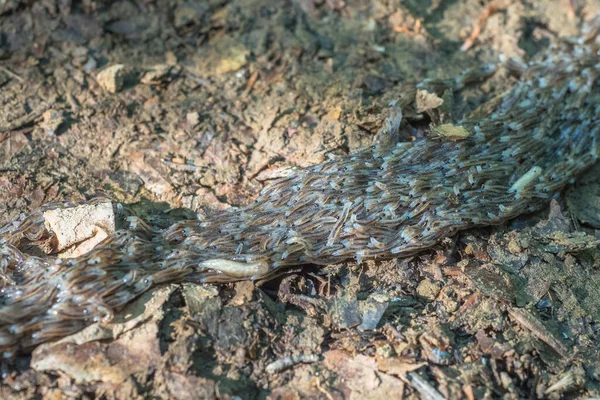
181 107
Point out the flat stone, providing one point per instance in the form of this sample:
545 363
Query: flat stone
113 78
79 229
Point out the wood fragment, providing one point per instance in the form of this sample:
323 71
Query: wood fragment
11 73
25 119
531 323
424 388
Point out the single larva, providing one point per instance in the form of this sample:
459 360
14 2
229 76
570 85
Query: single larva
526 179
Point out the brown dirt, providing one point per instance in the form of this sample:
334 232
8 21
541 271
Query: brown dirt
214 97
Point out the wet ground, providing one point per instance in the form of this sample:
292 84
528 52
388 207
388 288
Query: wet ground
195 106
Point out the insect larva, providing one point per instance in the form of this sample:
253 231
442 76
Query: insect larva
236 269
526 179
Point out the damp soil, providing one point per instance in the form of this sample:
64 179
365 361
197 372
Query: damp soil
185 107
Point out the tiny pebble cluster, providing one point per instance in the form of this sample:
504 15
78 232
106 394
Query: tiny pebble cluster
513 155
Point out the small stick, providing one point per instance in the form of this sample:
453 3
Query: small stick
11 74
423 387
527 320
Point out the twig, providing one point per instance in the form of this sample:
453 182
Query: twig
11 74
322 390
427 391
527 320
25 119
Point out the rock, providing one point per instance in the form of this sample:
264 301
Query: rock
78 229
436 343
90 65
80 55
235 59
372 311
9 6
374 84
110 353
360 377
344 311
583 200
196 296
114 78
398 366
189 14
187 387
8 148
145 168
244 291
556 221
127 181
227 55
134 27
52 120
192 119
156 74
428 289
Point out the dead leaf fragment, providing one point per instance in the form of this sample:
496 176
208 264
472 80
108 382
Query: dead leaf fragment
427 101
530 322
451 132
398 366
361 378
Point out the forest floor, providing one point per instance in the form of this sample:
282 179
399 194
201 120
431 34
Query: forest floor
192 107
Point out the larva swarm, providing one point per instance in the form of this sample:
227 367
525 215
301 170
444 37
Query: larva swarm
383 201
